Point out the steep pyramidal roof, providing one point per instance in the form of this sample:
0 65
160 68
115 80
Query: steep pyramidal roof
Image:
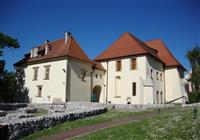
127 45
164 53
60 49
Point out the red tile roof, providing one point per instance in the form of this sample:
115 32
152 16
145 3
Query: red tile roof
127 45
164 53
59 49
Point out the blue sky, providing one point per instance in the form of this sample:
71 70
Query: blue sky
97 24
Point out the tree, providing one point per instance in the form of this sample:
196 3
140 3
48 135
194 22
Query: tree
194 59
7 41
12 84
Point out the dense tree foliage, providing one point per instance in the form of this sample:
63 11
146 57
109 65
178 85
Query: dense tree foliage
7 41
194 59
11 84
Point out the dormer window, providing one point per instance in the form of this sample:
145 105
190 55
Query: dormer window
47 49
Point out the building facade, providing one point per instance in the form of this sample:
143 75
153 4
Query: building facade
130 71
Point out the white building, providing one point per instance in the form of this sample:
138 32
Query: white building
60 71
129 71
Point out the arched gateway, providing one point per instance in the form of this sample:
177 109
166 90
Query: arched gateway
96 93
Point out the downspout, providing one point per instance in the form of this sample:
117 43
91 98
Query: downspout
107 84
164 83
68 79
66 83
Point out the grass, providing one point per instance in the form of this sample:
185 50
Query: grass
106 117
176 125
40 112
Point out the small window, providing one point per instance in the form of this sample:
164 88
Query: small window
161 77
157 76
134 88
133 64
117 86
152 73
39 93
35 73
96 75
118 65
157 97
161 97
83 75
47 72
100 76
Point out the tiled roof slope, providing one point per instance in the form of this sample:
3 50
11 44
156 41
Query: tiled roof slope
61 49
164 53
127 45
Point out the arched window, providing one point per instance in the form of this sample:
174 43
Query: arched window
117 86
152 73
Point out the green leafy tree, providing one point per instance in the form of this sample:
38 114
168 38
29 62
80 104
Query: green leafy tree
11 84
194 59
7 41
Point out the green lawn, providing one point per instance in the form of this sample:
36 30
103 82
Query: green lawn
40 112
174 125
106 117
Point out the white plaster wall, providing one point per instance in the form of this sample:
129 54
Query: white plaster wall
174 85
80 90
54 87
148 92
100 81
128 76
158 84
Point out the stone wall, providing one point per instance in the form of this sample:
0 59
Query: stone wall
11 106
58 113
25 126
137 106
189 105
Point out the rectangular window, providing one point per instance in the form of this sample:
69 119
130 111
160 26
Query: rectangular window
152 73
133 64
161 77
83 75
118 65
35 73
47 72
157 97
134 88
39 94
157 76
161 97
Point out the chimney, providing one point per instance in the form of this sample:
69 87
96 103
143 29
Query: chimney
46 47
67 35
